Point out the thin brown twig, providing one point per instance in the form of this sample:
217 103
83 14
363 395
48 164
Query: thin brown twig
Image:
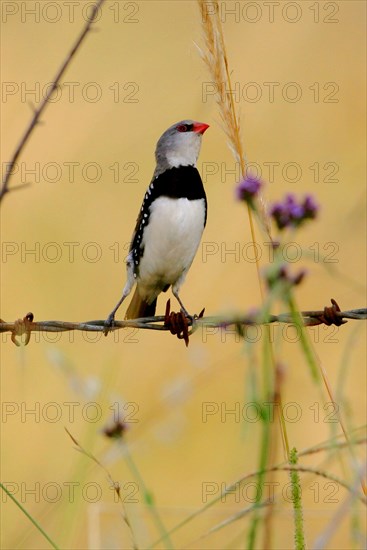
115 485
41 107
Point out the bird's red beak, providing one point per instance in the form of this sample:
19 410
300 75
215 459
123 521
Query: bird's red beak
200 127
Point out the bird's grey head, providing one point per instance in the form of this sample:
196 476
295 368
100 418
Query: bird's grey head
179 145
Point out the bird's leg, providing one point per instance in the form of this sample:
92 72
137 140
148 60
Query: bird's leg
127 289
109 322
183 309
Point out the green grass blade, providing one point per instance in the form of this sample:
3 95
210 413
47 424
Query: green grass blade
37 525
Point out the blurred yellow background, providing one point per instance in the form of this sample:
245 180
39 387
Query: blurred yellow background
299 78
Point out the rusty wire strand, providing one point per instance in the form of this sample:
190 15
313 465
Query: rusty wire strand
328 316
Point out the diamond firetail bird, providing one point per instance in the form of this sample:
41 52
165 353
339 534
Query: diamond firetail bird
170 224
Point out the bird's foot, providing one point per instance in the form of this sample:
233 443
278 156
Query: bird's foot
192 318
109 323
186 314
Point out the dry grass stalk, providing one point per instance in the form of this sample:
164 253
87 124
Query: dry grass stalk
114 485
216 61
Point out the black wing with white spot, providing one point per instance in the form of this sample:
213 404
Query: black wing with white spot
136 246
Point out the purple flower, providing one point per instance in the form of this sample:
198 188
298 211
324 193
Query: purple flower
281 215
116 429
310 207
281 274
290 213
248 189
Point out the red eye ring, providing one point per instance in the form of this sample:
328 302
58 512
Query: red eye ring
182 128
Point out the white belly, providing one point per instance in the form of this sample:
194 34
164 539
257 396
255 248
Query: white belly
170 242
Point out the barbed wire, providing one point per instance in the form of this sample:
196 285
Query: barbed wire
45 101
179 325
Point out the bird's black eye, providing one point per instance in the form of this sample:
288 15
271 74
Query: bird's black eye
184 128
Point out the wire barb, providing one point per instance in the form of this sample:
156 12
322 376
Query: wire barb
178 324
330 316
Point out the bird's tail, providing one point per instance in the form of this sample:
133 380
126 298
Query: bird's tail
138 307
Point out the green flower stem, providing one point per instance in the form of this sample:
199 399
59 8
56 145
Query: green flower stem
304 340
149 500
299 536
265 440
